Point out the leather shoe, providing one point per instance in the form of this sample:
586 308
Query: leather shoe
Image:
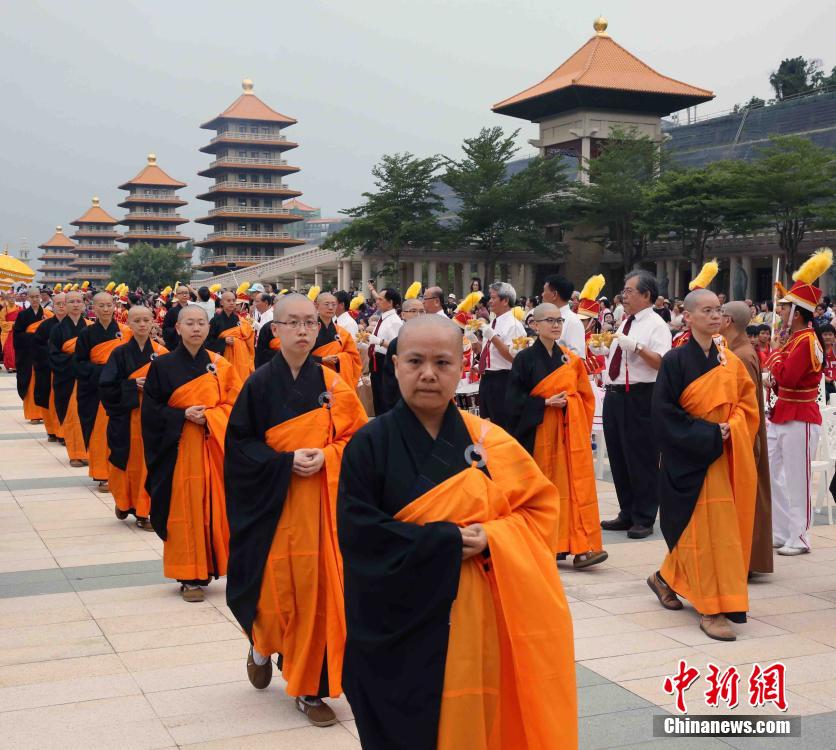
616 524
717 627
666 595
319 713
639 532
259 674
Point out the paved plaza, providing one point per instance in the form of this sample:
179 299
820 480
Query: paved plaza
97 649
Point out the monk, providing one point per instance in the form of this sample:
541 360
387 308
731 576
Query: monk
94 346
25 326
120 387
186 401
335 347
552 405
458 631
233 337
44 393
736 317
284 445
62 343
705 414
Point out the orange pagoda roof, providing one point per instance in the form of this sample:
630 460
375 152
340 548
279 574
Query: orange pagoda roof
153 175
602 74
95 215
59 239
298 205
248 107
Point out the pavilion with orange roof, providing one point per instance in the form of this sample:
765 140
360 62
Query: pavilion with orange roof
249 219
57 259
96 244
152 203
600 87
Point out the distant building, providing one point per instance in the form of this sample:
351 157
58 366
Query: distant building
95 237
249 221
313 228
57 259
152 203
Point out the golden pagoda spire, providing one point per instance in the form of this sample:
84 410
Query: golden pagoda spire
600 25
152 160
247 85
59 229
95 200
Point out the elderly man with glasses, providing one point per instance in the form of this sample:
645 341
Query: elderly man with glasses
633 361
434 301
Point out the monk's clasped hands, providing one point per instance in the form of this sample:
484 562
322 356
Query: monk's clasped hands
307 461
196 414
474 540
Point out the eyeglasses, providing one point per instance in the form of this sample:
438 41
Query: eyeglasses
550 321
420 311
297 324
627 291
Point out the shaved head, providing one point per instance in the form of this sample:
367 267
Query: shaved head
411 304
73 296
102 297
739 313
442 328
191 310
325 297
545 310
697 297
138 310
295 302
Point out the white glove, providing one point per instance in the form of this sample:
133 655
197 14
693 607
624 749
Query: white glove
471 337
626 343
373 340
487 332
599 351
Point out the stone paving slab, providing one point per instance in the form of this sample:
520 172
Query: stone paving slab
97 650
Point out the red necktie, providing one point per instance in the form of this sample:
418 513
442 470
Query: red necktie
485 361
615 360
372 360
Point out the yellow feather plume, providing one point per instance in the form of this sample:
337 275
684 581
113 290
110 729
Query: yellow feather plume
705 276
74 288
242 288
413 291
166 291
85 285
67 287
593 287
469 302
110 285
215 288
283 291
56 288
357 302
519 313
814 266
313 293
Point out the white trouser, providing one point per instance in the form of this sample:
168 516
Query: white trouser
792 446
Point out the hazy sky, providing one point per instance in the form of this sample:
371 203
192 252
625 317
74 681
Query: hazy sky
89 87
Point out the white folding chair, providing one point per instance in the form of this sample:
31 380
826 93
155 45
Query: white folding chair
823 466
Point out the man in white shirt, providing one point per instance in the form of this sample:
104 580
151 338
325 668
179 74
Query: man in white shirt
632 365
498 354
385 331
618 309
434 301
558 291
344 319
264 311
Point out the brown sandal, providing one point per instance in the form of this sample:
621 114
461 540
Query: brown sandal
588 559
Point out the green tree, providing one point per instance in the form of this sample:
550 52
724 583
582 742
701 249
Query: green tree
794 76
150 267
499 214
617 195
695 205
792 187
754 103
400 213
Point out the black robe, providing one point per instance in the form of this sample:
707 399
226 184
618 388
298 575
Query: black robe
120 396
390 391
217 325
87 373
689 445
40 362
526 412
162 425
63 371
263 352
170 336
257 477
25 347
400 578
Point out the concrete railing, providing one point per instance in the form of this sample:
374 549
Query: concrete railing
236 135
248 160
287 265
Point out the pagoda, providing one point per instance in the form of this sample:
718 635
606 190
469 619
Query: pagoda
249 219
600 87
57 259
96 244
152 203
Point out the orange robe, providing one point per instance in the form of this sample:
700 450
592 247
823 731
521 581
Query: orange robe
185 475
508 673
73 436
299 610
241 352
708 559
344 347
